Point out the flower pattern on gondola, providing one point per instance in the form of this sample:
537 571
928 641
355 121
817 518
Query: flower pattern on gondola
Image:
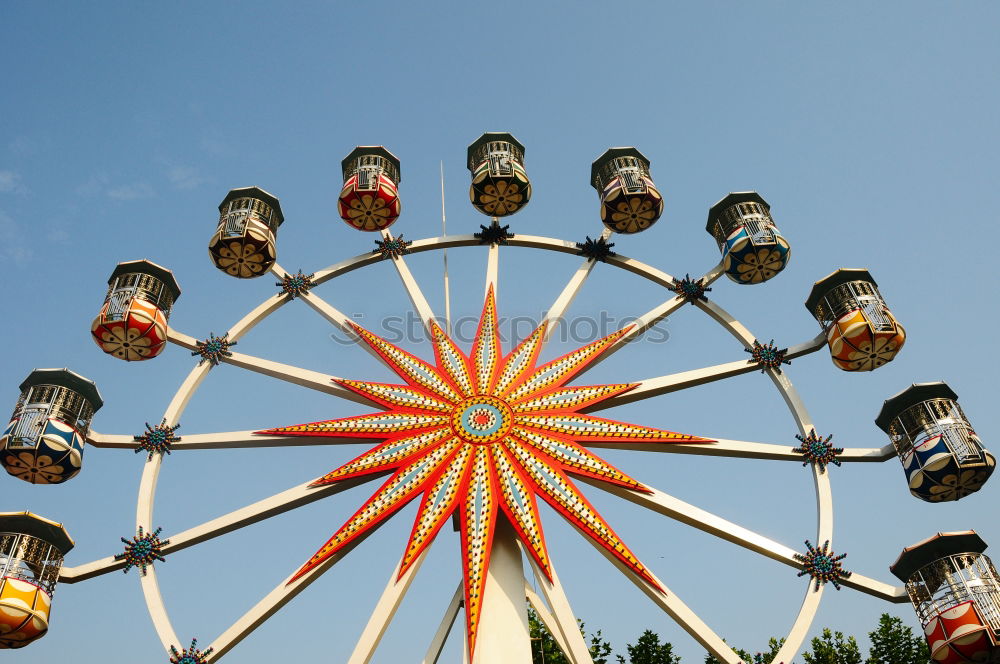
747 261
241 260
935 473
960 635
55 455
24 612
856 344
369 209
244 251
139 333
499 195
624 211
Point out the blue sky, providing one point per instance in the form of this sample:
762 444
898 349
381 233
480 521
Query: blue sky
871 128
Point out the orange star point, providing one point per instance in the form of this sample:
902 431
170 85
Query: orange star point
483 435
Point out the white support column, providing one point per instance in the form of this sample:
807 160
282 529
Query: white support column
384 611
558 309
412 289
492 268
549 622
573 645
447 622
503 624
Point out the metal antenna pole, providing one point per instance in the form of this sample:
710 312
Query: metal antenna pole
444 231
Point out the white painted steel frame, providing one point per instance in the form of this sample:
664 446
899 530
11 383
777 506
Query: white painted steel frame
557 616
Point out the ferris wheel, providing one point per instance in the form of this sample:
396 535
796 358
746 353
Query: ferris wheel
486 434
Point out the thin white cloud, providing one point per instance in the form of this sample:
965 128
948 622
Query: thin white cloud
12 244
131 192
94 185
184 177
10 183
30 145
58 235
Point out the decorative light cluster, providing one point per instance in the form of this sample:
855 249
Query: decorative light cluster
767 356
494 234
142 550
190 655
596 250
392 247
690 289
156 440
818 450
822 565
214 348
295 284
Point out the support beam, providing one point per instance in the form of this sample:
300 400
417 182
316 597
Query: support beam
447 622
503 623
384 611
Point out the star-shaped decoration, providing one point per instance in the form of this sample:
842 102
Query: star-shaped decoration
192 655
818 450
295 284
493 234
392 247
822 565
767 356
156 440
214 348
690 289
142 550
596 250
482 435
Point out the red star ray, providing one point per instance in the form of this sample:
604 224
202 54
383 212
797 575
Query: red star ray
482 435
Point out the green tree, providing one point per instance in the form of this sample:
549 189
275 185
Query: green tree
600 650
744 655
773 646
649 650
833 648
895 643
545 649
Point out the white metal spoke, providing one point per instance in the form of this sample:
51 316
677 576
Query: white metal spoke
704 521
339 319
304 377
420 304
384 611
569 292
672 605
286 372
447 621
224 440
652 387
245 516
572 643
549 622
275 600
721 447
492 270
747 450
654 316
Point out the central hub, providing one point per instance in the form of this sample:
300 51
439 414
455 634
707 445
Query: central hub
482 420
